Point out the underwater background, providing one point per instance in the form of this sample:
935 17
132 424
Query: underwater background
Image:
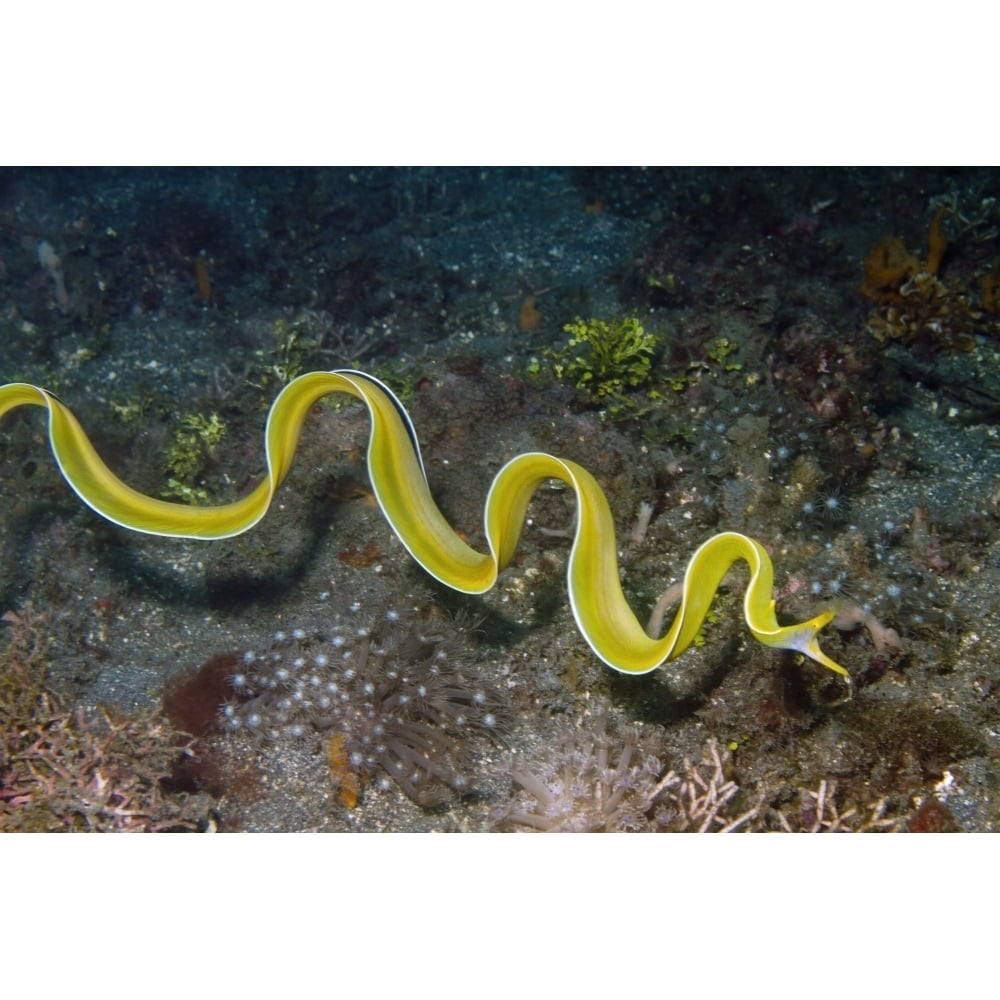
806 356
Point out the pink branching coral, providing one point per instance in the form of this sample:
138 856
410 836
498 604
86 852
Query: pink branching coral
608 779
74 770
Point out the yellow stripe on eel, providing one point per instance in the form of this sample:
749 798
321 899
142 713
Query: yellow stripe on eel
397 476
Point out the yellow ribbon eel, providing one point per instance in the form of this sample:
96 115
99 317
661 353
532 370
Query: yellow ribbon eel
400 484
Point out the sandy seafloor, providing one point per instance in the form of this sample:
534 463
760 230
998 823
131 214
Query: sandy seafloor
854 435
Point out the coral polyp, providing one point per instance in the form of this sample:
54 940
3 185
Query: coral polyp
384 698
